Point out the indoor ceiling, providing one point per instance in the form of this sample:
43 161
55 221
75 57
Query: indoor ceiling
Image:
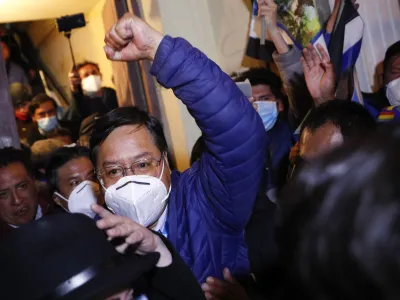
29 10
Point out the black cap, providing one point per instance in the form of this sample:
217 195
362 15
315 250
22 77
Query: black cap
65 256
19 94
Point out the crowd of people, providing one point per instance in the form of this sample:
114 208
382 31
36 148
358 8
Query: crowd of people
91 209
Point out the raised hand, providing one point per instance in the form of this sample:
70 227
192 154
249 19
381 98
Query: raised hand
319 74
227 289
268 10
74 80
134 234
131 39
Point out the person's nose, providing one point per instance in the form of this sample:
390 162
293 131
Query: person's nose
129 172
15 199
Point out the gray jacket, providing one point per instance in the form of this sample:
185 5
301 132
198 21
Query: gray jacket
292 75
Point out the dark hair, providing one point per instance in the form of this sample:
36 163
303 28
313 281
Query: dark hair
59 158
197 151
85 63
263 76
339 222
126 116
39 100
351 118
391 52
59 132
11 155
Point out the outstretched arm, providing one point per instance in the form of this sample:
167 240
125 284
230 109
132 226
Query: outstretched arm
231 169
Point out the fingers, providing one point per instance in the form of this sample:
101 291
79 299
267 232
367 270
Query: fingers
209 296
101 211
305 66
324 55
112 54
122 248
116 37
109 222
121 230
314 55
217 289
307 58
228 276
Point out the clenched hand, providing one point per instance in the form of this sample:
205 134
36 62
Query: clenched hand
131 39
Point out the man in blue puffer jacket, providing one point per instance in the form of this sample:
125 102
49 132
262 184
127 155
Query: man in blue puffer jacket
204 210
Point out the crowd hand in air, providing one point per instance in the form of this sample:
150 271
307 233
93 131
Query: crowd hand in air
134 234
131 39
227 289
319 74
74 80
267 9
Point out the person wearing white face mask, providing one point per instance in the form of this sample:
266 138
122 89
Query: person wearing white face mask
89 96
70 173
389 93
204 210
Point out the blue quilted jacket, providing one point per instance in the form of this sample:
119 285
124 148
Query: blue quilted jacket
211 202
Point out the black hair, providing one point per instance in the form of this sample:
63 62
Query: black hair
85 63
60 132
39 100
351 118
59 158
263 76
197 151
392 52
11 155
126 116
339 222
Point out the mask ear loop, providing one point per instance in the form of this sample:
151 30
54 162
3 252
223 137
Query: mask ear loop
62 198
162 170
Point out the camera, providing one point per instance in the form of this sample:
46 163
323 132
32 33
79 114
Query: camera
67 23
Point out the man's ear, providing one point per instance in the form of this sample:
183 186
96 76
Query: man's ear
60 202
57 200
281 106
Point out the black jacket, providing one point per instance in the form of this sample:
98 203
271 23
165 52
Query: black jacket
174 282
83 106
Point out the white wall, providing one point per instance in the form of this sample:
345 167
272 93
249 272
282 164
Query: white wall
218 28
382 28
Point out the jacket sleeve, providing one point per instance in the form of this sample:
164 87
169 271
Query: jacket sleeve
228 174
292 75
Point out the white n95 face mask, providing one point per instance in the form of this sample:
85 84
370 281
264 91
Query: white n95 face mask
393 92
141 198
82 197
91 85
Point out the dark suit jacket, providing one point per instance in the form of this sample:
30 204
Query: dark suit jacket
47 209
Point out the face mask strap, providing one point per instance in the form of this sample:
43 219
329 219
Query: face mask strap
62 198
162 170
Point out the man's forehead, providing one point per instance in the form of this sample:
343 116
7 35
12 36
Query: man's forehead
88 67
127 143
261 88
12 173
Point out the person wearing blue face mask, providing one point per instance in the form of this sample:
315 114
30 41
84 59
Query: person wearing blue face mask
271 105
43 111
